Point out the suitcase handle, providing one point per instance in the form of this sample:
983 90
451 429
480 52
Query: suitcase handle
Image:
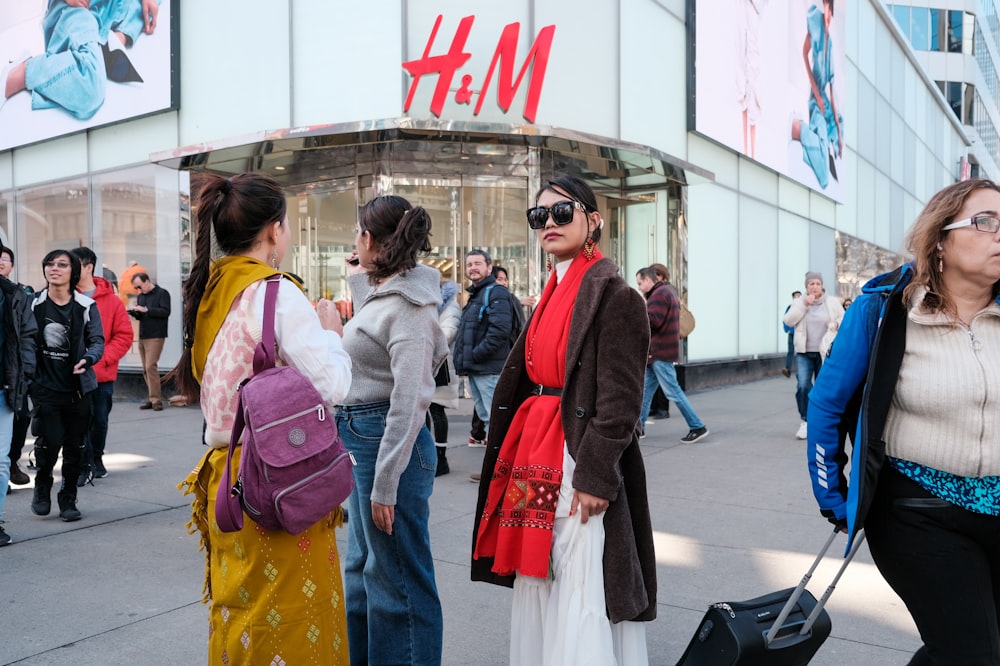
797 592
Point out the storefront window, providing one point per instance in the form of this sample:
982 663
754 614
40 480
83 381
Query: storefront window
53 217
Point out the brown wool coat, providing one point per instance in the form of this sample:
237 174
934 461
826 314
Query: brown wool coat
602 398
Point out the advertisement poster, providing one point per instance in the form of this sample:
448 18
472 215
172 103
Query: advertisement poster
76 64
769 83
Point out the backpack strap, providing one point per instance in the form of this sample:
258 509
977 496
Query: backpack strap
264 354
485 307
228 511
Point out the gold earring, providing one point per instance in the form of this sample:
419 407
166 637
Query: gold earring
274 258
588 249
940 263
548 263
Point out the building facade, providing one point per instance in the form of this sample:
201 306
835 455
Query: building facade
467 109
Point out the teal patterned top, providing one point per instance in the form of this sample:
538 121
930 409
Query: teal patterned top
977 494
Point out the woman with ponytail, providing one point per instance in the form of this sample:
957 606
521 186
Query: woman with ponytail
396 344
275 597
562 467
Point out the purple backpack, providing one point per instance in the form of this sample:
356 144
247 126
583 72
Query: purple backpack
294 469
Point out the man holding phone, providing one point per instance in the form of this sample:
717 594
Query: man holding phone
152 310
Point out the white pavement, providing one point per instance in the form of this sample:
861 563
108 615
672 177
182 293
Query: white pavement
733 515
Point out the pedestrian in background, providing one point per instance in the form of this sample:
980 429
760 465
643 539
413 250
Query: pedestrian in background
812 317
922 342
17 365
396 344
21 418
564 425
275 597
446 379
69 344
790 333
664 321
117 331
152 309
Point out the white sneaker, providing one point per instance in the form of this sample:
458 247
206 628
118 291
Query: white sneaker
802 433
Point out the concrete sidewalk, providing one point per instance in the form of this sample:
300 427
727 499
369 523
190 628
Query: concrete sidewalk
734 518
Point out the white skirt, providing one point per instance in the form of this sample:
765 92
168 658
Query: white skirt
564 622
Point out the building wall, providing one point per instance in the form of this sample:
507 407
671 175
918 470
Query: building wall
618 69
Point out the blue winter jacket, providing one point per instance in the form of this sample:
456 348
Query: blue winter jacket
852 396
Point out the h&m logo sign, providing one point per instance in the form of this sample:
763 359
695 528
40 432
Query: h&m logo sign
448 64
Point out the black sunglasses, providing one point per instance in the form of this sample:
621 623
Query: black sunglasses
562 214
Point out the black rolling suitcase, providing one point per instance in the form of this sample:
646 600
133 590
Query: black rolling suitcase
784 628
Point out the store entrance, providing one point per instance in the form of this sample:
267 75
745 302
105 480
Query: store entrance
467 212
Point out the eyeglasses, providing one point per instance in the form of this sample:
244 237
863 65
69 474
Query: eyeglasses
562 214
57 264
986 223
5 260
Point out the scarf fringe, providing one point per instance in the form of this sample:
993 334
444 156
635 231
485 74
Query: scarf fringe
194 485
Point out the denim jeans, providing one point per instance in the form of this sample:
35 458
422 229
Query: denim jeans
6 432
393 610
482 388
808 366
664 375
790 355
71 73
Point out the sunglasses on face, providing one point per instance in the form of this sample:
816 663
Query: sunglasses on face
562 214
57 264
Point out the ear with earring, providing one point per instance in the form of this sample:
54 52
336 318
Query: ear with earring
588 248
940 259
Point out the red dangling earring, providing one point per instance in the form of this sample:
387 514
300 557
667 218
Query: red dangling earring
548 263
588 249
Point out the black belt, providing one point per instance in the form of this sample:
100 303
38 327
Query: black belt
546 390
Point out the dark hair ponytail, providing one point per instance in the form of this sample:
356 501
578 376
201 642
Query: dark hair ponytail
236 209
399 230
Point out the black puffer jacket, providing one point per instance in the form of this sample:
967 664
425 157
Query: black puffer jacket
19 328
484 334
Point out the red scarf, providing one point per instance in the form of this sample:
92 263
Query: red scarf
520 513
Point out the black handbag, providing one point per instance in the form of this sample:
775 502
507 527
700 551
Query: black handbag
443 377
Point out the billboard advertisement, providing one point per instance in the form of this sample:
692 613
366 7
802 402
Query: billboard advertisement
70 65
769 81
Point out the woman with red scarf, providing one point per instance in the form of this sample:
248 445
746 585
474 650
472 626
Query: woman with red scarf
563 516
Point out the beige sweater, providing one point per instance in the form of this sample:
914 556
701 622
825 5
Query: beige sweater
945 413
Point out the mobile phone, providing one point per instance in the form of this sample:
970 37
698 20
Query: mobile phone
354 261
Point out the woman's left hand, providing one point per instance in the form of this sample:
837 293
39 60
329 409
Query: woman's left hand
383 515
589 505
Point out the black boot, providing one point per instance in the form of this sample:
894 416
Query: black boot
442 467
67 504
41 503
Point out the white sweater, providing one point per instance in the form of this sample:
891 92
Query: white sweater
945 413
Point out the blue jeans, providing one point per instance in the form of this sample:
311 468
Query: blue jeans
790 354
482 388
664 375
808 366
71 73
101 403
6 433
393 610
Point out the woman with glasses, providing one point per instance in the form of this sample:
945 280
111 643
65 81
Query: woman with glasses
915 377
563 516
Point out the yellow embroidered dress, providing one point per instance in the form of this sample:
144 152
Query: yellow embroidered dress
275 598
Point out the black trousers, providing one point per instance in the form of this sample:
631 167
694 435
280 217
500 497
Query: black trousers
61 425
437 423
944 563
21 422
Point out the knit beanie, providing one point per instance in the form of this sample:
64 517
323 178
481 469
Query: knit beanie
813 275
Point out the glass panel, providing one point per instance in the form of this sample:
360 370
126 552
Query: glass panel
322 224
955 20
920 28
938 29
902 14
52 217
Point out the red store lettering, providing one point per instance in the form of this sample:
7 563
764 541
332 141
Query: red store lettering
448 64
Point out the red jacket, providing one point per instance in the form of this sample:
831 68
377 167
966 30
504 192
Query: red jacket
117 330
